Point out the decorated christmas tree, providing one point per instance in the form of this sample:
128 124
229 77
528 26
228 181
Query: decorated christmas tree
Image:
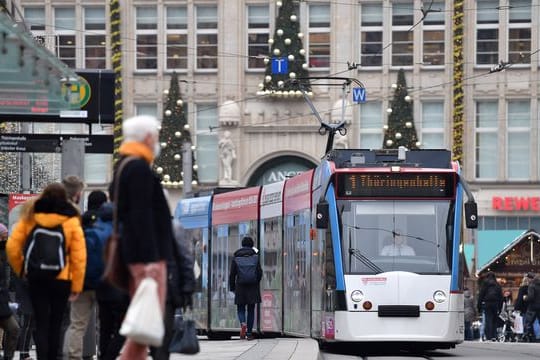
287 60
400 130
175 139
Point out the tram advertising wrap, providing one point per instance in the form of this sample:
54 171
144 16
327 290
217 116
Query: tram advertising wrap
354 252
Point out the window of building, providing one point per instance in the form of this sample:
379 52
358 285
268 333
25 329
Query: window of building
508 222
177 37
433 33
402 38
95 53
146 109
34 18
371 37
146 34
319 36
258 30
487 32
207 143
519 32
207 37
65 39
432 126
486 147
371 123
518 147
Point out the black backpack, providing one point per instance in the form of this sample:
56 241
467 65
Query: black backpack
45 252
247 269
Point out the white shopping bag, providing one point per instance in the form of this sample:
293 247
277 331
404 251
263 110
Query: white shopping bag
144 320
518 323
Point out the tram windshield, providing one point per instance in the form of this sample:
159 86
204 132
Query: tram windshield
381 236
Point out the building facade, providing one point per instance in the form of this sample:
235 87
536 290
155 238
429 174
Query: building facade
218 50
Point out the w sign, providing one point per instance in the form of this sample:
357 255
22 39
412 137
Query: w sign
359 95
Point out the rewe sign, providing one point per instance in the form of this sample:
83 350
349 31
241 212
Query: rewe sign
515 203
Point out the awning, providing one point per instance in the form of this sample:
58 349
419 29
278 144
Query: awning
33 81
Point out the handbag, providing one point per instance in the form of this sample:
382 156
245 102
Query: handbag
143 322
116 271
185 339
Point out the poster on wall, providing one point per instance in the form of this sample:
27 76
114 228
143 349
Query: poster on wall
14 207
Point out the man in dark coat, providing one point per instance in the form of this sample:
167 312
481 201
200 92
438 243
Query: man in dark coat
246 292
144 218
533 307
490 299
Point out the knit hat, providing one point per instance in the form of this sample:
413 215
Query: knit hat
3 229
96 199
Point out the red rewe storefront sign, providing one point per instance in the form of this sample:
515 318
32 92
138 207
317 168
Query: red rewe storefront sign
515 203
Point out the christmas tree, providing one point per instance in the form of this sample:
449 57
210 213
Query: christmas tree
400 130
286 60
175 139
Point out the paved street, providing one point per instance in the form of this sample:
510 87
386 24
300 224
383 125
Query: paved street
467 350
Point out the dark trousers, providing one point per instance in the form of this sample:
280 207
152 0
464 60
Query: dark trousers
241 309
25 335
162 353
468 330
492 313
111 315
49 300
530 316
11 329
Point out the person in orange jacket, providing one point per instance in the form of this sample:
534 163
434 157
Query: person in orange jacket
49 296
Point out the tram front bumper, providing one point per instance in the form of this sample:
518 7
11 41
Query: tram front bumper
428 327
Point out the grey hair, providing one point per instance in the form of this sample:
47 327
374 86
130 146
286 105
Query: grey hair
137 128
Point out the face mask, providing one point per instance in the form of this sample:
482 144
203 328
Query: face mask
157 149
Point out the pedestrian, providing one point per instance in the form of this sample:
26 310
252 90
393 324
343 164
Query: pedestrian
490 299
8 323
74 187
144 217
112 305
533 308
244 279
49 290
96 234
470 313
26 317
521 301
180 286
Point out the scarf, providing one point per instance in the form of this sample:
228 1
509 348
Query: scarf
134 148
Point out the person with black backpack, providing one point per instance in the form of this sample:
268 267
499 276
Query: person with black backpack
47 247
244 279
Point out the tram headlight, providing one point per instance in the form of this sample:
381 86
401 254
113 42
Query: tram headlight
357 296
439 296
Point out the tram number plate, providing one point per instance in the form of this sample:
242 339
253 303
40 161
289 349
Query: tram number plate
399 311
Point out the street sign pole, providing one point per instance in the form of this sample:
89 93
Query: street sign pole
73 158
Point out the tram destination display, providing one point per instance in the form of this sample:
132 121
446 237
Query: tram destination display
396 185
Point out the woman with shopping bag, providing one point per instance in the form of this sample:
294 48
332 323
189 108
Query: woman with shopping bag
142 214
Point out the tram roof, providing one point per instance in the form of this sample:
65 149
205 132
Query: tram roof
358 158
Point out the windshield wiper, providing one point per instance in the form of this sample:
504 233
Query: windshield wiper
394 234
359 256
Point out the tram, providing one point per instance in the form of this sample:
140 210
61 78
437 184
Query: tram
367 247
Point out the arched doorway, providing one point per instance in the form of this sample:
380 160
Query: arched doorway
278 169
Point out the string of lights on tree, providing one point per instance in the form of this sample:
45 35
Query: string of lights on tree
287 58
174 134
400 129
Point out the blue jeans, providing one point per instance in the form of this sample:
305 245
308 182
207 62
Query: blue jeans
241 309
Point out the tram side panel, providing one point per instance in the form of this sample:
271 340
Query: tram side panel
297 255
271 247
234 215
193 215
